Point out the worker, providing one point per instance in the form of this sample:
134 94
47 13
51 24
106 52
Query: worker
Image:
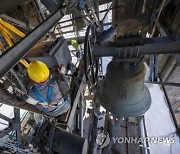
45 93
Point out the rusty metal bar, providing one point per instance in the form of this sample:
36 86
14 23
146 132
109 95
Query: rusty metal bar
171 109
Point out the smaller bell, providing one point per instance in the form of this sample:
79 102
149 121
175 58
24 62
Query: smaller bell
123 92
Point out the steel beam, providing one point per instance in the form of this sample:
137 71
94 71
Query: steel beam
164 32
9 58
40 10
86 15
108 10
75 103
61 33
17 126
82 104
5 132
15 21
5 118
171 109
82 15
50 138
89 4
21 105
8 99
164 83
153 67
159 45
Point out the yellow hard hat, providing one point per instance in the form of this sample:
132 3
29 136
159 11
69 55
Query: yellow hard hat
38 71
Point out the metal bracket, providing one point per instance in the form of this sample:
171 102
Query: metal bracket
153 68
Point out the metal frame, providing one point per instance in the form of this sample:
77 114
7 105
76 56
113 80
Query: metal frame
17 52
17 126
86 15
158 45
75 103
9 99
14 54
163 31
110 8
89 4
40 10
15 21
171 109
153 67
164 83
14 124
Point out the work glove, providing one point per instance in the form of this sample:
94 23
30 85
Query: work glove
52 104
47 105
31 100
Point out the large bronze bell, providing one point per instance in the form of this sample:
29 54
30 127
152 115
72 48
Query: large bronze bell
123 92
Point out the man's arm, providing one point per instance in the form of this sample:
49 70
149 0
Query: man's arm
33 101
